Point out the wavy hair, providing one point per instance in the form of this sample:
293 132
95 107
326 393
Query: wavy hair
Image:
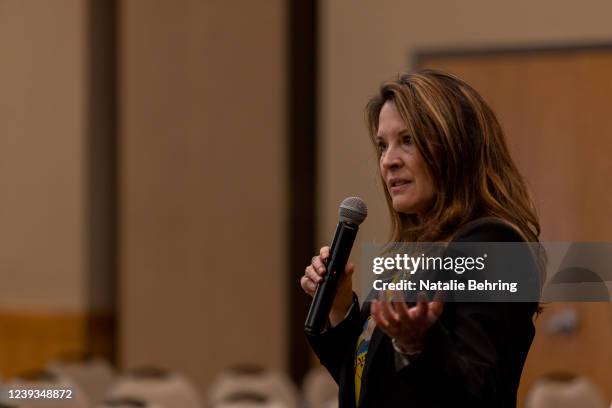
464 148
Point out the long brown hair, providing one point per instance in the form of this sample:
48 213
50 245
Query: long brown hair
465 150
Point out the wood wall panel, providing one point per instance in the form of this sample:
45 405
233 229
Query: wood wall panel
30 340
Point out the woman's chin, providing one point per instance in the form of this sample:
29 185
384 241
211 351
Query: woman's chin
404 207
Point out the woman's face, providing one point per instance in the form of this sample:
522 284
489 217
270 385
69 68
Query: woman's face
401 165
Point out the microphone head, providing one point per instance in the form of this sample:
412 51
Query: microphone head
353 210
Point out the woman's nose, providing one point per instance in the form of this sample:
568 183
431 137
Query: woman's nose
391 158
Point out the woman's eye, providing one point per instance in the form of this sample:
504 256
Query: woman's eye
407 140
381 147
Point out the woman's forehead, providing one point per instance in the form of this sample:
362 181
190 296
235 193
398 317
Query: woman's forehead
390 121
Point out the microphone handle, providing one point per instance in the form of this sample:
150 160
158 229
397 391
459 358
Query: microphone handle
326 291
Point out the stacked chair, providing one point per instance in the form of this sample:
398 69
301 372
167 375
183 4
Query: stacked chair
94 376
250 386
319 389
564 390
156 386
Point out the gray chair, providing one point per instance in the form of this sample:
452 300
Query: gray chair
156 386
319 389
250 386
564 391
93 375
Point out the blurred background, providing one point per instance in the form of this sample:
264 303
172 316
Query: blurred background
169 167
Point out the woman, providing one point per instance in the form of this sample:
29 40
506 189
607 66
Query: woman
448 177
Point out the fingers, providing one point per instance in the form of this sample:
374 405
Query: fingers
346 278
324 252
406 325
308 286
350 268
318 261
310 280
419 312
385 317
398 316
313 274
389 313
376 312
435 310
403 311
318 265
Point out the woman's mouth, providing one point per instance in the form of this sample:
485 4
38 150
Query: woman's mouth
397 185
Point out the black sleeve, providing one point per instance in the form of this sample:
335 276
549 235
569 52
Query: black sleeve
479 348
331 345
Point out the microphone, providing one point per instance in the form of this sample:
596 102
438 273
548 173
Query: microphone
352 213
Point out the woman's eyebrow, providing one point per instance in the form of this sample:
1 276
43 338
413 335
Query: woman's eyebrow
402 132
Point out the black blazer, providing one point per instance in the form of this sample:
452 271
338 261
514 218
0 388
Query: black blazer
473 355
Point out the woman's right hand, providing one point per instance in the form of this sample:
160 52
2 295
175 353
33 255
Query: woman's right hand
344 295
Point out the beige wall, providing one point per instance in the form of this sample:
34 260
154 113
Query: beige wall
365 42
55 268
202 185
42 139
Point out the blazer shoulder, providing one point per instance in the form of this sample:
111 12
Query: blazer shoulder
488 229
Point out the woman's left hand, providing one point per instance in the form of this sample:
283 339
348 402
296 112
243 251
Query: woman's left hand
406 325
